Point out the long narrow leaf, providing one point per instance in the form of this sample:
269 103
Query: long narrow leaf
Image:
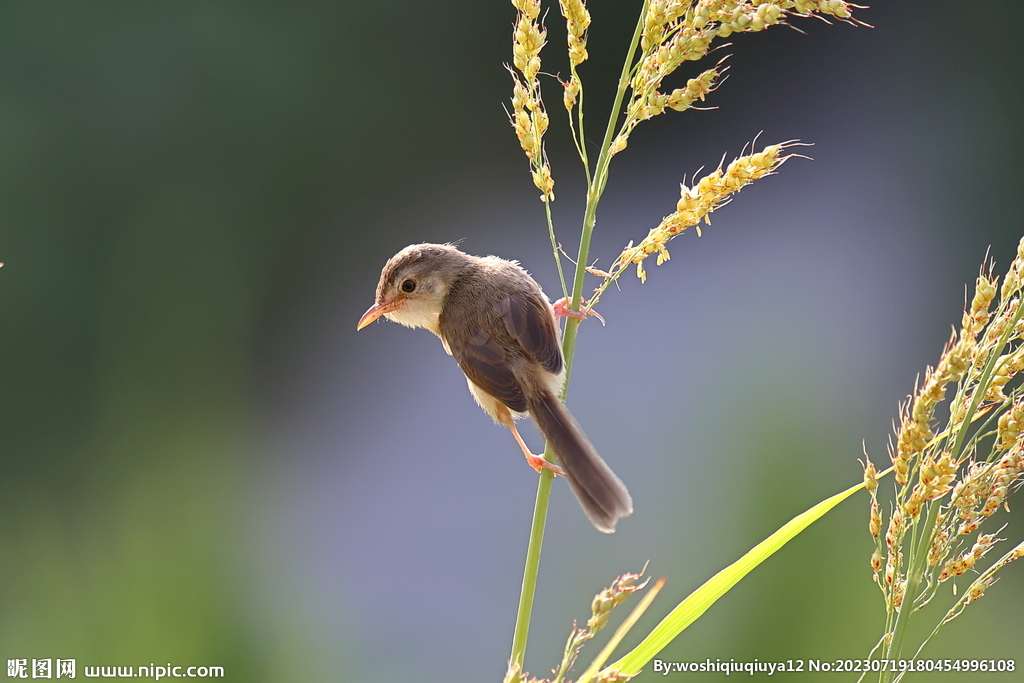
701 599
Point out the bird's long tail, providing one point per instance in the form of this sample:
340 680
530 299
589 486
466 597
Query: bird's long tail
602 494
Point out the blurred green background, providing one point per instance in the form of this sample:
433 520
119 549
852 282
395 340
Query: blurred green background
202 463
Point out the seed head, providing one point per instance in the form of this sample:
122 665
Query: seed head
695 203
875 523
528 118
870 476
894 534
939 547
610 598
876 562
577 20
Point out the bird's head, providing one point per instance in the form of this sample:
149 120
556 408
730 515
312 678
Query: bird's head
414 283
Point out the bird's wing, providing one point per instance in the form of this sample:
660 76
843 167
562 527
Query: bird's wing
486 364
530 322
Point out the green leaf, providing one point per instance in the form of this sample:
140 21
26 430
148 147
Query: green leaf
701 599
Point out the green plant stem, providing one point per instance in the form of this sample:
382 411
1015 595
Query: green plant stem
915 571
578 136
540 516
554 246
594 192
540 508
598 183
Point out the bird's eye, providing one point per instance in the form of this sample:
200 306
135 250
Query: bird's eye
408 286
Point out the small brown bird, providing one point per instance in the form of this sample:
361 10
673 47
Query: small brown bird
502 330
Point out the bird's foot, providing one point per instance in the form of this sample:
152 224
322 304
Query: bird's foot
540 464
562 309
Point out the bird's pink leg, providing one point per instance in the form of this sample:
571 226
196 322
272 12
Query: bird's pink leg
537 462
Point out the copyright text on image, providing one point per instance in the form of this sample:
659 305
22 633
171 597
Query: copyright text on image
68 668
757 666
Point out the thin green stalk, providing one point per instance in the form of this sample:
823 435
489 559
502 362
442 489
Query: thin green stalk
915 571
984 380
578 136
597 185
540 509
540 516
554 246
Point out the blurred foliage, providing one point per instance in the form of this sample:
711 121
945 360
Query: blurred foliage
184 187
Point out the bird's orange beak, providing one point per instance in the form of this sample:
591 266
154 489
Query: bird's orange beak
377 310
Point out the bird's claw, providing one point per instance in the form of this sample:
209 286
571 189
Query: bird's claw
540 464
561 308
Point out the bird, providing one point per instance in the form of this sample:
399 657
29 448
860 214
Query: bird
502 330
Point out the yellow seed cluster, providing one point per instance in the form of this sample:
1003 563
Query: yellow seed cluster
528 38
670 45
678 31
674 32
1012 282
696 89
529 119
1005 474
899 589
936 476
681 44
939 547
894 535
959 565
746 17
912 506
934 481
985 578
984 329
655 102
1007 367
660 15
870 478
915 429
875 522
577 21
894 556
610 598
875 517
966 496
513 674
601 609
695 203
977 590
985 487
959 489
976 318
876 563
836 8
